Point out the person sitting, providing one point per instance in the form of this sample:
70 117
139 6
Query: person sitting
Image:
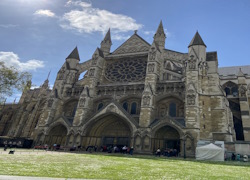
124 149
158 152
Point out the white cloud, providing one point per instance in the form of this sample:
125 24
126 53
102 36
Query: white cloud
168 34
148 32
119 37
44 12
12 59
88 19
78 3
8 25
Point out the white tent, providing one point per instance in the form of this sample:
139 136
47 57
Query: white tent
210 152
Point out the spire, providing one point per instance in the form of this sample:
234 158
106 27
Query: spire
160 30
240 73
74 54
106 43
197 40
160 36
107 37
45 85
48 75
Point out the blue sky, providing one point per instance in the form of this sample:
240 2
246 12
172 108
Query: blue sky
37 35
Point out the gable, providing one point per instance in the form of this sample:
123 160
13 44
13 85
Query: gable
133 45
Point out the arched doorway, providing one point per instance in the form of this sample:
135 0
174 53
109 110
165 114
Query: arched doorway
57 135
108 131
166 137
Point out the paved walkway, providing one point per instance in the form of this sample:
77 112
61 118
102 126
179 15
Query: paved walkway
5 177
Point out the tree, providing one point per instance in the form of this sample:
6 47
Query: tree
12 79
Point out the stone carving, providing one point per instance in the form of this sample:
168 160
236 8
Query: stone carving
146 100
61 73
132 45
152 54
82 102
151 68
91 72
127 70
50 102
192 64
190 99
94 59
111 108
242 91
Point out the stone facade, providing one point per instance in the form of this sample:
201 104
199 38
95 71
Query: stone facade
140 95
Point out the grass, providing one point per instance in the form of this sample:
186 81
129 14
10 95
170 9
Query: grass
116 166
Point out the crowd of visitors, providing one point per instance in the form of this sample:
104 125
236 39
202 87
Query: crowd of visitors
117 149
167 152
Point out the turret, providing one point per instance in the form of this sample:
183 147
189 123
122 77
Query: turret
73 59
159 37
106 43
197 47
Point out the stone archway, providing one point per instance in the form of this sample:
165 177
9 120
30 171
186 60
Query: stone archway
166 137
108 131
57 135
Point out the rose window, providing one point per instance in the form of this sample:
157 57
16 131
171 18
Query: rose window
126 70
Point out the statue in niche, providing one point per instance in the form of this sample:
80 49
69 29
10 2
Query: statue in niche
94 59
151 67
61 73
242 91
146 100
91 72
162 112
191 99
50 102
82 102
192 64
152 54
72 77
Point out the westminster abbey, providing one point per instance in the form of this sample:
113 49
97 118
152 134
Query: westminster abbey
141 95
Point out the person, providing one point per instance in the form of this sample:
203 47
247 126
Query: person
233 157
131 150
158 152
238 157
124 149
54 146
5 147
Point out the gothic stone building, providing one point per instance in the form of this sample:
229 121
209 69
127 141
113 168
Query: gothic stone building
139 95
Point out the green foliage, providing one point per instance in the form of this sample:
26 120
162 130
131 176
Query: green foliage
12 79
117 166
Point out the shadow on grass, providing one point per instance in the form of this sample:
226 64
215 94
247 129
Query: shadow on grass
140 156
164 158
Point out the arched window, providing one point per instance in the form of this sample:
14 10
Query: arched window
133 108
125 106
235 91
172 110
227 90
100 106
74 111
168 66
70 109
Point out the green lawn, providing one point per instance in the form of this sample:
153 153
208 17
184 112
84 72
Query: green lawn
113 166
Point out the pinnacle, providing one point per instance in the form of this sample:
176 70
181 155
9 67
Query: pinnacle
107 36
74 54
160 30
197 40
240 73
